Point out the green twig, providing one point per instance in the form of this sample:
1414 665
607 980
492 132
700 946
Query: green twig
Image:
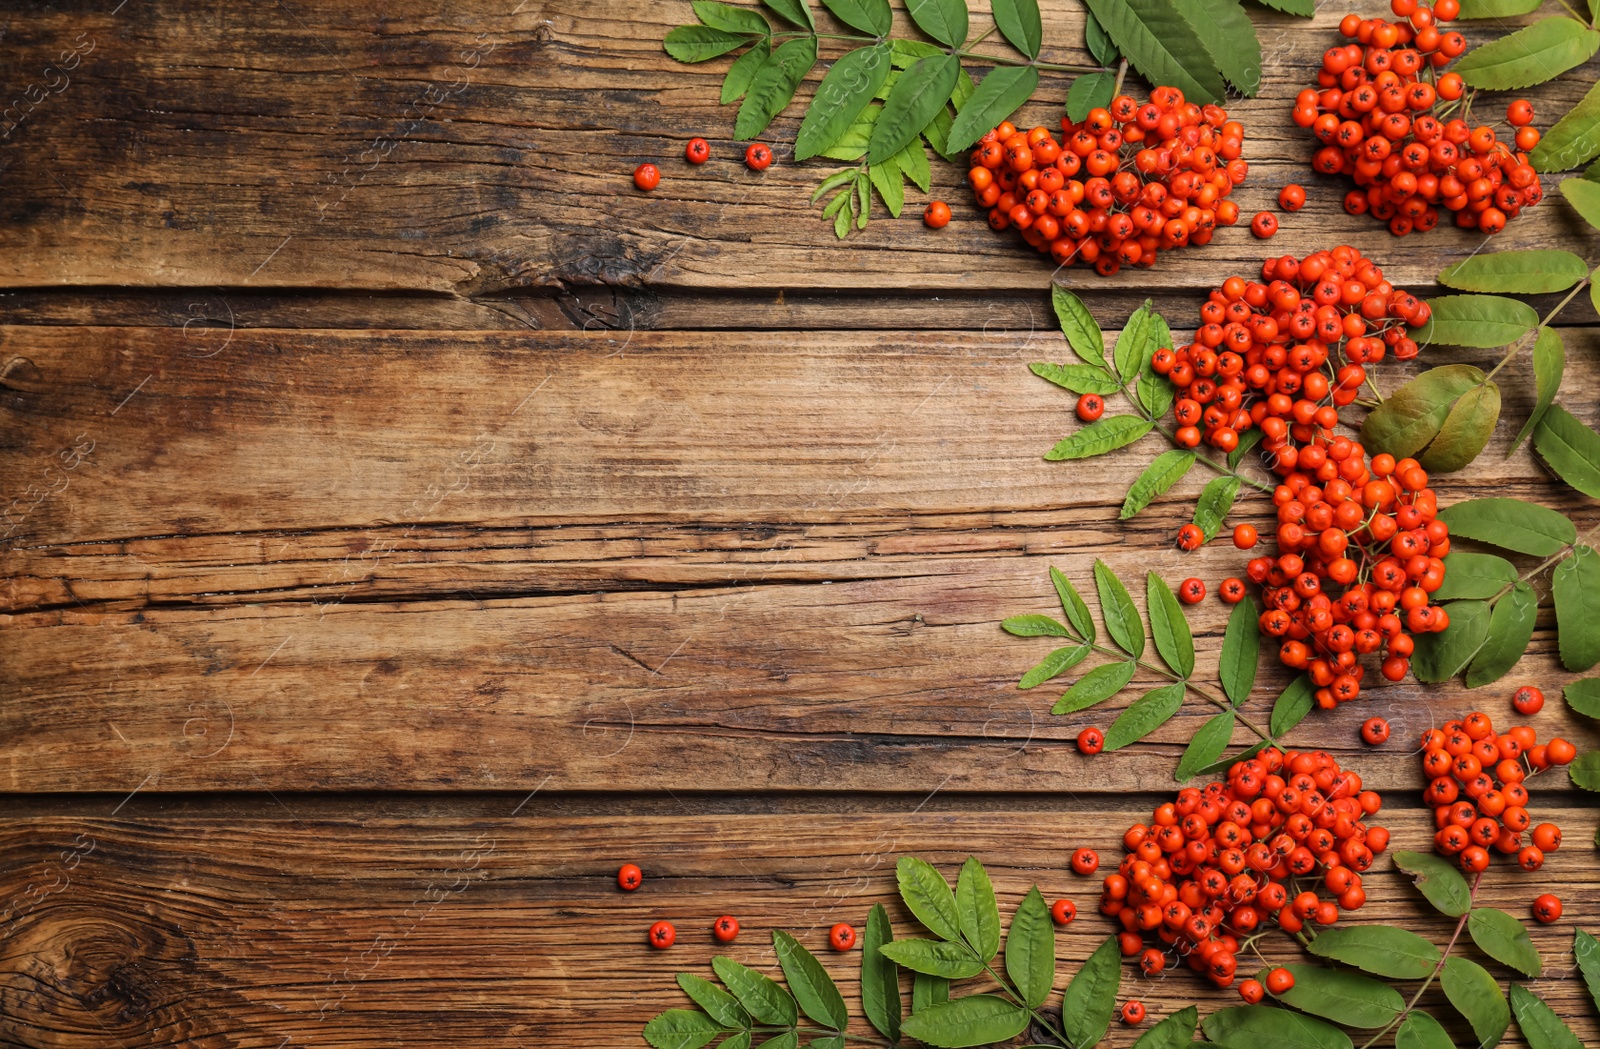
1517 346
1437 969
1016 996
1191 686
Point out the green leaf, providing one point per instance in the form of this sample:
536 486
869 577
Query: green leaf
1056 663
1206 746
1117 609
951 960
1586 949
743 71
723 1007
1156 394
1264 1027
1098 42
697 43
738 1040
1162 46
880 979
913 164
869 16
1216 500
1498 8
1539 1023
842 95
1585 771
773 86
1531 55
1584 697
786 1040
1382 950
999 95
1573 140
729 18
920 92
1510 630
1247 441
1241 651
1136 343
1019 23
681 1029
1504 939
1034 626
795 11
1229 38
1441 884
1530 272
852 145
1346 997
1168 627
1411 417
1511 524
1097 685
1090 91
1292 706
1549 364
1470 575
1421 1031
928 897
1440 657
1031 949
890 186
938 130
814 990
944 20
1079 326
863 201
1079 378
1072 606
1144 715
1227 760
1575 585
833 181
977 1019
1099 437
761 996
1570 449
1482 321
1162 473
977 910
1303 8
1465 432
1092 996
1175 1032
928 990
1477 997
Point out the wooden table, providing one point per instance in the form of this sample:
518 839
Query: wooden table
410 523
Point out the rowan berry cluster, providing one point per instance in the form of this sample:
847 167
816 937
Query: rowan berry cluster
1376 116
1220 862
1127 183
1476 787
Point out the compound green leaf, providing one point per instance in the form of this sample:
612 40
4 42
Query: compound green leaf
1161 44
1118 610
1549 365
843 94
1504 939
1482 321
978 1019
1091 996
698 43
1207 746
1169 629
1529 56
1096 686
1539 1023
1079 378
1575 585
1382 950
1165 471
1440 883
1031 949
1573 140
928 897
1511 524
1531 272
1570 449
1346 997
1477 997
1056 663
1440 657
1144 715
1019 23
773 86
999 94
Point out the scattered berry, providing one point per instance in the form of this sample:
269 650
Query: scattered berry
1547 908
1190 537
662 935
1527 701
1085 861
1264 225
1292 197
1091 741
1252 991
1090 407
647 176
841 937
1375 731
758 157
698 151
1191 591
1063 911
936 215
629 877
1244 536
1231 590
1280 980
725 929
1133 1013
1152 961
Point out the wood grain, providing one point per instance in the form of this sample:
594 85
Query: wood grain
509 932
489 147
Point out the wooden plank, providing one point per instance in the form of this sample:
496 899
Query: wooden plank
356 933
491 148
770 561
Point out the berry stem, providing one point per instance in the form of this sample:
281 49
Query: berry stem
1437 969
1122 72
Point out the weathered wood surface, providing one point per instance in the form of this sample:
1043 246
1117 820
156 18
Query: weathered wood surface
786 559
507 932
489 146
